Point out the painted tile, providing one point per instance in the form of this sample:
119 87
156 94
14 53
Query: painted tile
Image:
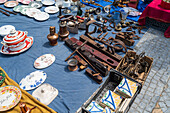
127 88
94 107
111 100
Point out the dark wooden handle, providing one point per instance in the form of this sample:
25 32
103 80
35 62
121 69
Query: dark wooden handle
4 13
8 11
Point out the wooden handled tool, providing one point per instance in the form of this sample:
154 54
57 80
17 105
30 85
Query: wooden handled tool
8 11
75 50
4 13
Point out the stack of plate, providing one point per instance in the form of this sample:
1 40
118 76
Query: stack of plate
31 12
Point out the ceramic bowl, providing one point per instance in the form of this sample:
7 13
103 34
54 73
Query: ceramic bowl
14 37
5 30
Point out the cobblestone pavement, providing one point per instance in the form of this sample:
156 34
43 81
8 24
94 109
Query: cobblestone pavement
156 87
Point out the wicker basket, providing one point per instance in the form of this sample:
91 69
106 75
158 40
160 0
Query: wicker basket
165 5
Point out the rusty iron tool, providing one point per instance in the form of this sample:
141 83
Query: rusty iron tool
96 53
87 61
103 36
101 49
102 69
87 27
81 62
95 76
75 50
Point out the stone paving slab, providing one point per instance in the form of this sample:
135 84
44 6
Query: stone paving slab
156 87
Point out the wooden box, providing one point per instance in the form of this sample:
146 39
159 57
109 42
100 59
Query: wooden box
141 77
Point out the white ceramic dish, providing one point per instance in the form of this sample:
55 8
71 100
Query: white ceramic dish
5 30
51 9
11 4
9 97
45 93
47 2
7 51
25 1
32 11
35 4
3 1
33 80
41 16
44 61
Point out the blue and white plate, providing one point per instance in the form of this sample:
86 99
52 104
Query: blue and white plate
33 80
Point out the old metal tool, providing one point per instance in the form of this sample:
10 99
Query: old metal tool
75 50
87 27
81 62
95 52
100 48
95 76
72 27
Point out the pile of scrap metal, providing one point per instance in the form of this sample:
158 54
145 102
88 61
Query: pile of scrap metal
135 66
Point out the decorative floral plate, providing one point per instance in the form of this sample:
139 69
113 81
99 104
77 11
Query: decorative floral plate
5 30
11 4
9 97
33 80
51 9
45 93
2 1
6 50
41 16
25 1
44 61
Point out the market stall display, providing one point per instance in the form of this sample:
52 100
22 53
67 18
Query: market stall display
95 46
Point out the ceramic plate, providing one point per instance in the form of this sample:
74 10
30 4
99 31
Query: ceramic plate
6 50
47 2
24 9
5 30
32 11
17 8
25 1
45 93
44 61
11 4
41 16
35 4
33 80
51 9
9 97
2 1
